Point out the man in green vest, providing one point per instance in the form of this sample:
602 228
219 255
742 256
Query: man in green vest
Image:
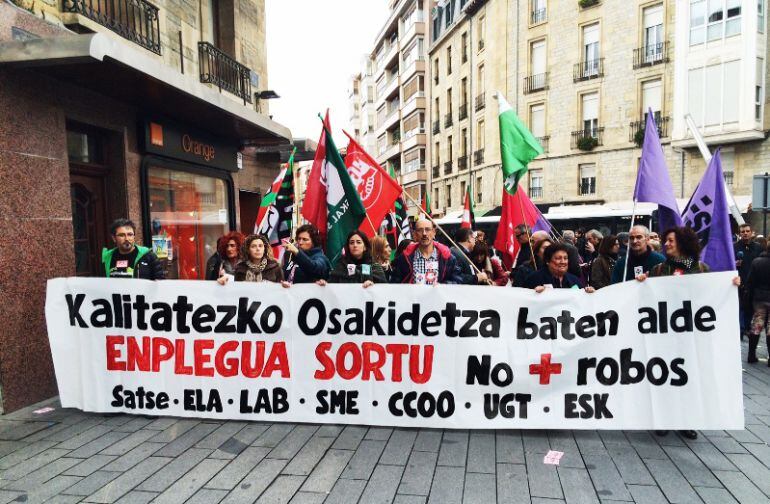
127 259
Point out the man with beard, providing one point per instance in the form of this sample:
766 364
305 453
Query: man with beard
641 257
127 259
426 261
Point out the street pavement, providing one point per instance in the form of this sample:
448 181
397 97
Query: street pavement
68 456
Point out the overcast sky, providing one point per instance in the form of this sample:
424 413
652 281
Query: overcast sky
313 47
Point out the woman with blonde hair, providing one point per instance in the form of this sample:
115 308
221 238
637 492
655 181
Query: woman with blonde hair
381 253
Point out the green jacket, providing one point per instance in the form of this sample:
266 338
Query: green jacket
146 265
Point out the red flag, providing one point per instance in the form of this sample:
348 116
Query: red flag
517 209
468 217
377 189
314 206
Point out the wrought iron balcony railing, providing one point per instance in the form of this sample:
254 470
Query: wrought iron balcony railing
480 102
448 120
651 54
590 69
535 192
462 162
436 172
587 139
463 112
447 168
134 20
636 131
436 127
219 69
538 16
478 157
537 82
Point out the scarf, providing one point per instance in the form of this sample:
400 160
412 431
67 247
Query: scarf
254 271
684 263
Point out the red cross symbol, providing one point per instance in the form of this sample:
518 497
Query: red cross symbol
545 369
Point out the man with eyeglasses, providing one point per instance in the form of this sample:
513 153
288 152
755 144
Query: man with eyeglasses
641 257
425 262
127 259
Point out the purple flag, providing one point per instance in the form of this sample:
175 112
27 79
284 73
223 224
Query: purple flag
652 182
708 214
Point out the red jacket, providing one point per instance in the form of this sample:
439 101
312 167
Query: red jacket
403 267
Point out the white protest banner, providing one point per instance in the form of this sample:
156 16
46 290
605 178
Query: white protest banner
662 354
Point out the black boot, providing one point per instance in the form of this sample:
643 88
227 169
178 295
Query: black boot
753 342
767 342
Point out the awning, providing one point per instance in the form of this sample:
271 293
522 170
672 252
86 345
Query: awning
116 69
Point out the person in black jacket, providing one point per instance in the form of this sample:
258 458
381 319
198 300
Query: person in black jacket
555 274
226 258
757 290
127 259
356 265
306 262
462 253
746 250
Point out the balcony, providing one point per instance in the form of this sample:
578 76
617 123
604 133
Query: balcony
481 44
652 54
448 120
591 69
480 102
537 82
543 141
134 20
219 69
463 112
436 127
587 139
538 16
462 163
636 131
587 186
478 157
447 168
436 171
535 192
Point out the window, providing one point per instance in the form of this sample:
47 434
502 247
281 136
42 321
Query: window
591 48
435 195
464 142
449 150
415 85
587 183
437 22
437 154
536 183
761 16
480 79
537 120
481 32
464 89
192 211
463 190
480 134
590 107
537 14
414 124
465 46
479 190
435 71
449 101
449 195
413 160
651 98
438 112
697 21
758 91
728 164
449 60
710 85
450 12
537 60
653 33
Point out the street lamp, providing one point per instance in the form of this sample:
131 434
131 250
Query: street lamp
267 94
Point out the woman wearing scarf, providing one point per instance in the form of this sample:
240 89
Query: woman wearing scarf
601 267
258 265
356 265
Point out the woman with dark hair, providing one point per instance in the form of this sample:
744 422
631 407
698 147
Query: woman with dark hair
306 262
227 256
555 274
601 267
682 248
522 271
489 265
356 265
258 264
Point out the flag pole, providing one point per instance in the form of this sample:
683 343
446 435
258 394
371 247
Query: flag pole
444 233
628 248
529 235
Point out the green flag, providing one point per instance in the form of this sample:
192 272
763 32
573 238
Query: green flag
345 211
517 145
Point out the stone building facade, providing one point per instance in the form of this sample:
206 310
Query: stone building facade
101 119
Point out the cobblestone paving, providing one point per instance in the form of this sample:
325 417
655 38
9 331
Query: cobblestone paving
68 456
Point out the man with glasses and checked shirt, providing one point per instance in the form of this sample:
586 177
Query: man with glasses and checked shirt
426 261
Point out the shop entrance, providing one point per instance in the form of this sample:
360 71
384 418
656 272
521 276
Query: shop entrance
88 222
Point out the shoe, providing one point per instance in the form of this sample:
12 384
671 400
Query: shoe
689 434
661 433
753 342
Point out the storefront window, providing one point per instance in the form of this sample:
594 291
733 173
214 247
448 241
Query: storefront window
188 212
